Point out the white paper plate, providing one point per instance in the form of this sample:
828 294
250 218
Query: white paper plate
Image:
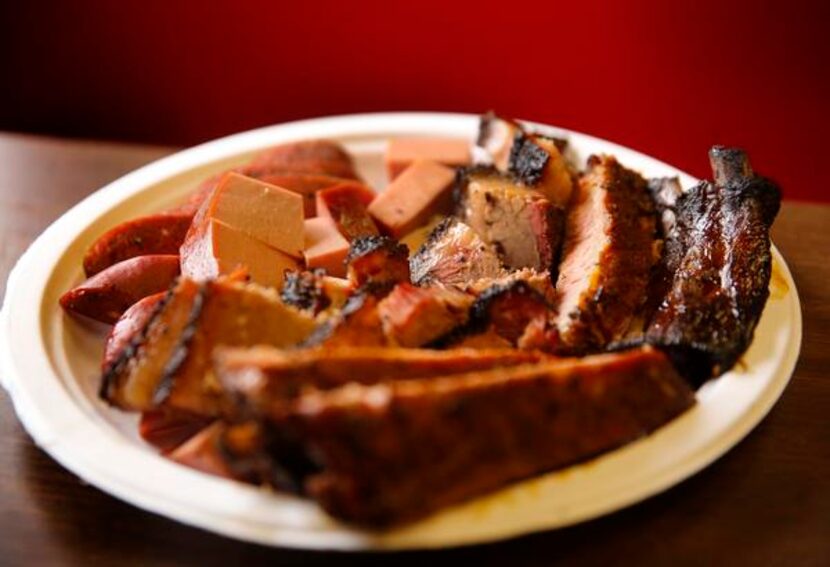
50 368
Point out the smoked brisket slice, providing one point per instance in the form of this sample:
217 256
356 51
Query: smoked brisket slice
522 225
454 254
414 316
533 160
610 247
720 261
396 451
499 317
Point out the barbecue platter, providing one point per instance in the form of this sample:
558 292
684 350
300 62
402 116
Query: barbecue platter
498 311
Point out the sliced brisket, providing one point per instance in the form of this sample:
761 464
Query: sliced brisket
524 226
610 247
454 254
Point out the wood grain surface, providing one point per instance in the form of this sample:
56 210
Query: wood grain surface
766 502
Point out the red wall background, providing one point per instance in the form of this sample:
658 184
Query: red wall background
666 78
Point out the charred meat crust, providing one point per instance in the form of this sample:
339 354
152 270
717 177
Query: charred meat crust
379 262
367 244
506 309
486 126
394 452
111 374
721 282
611 233
527 160
523 225
665 191
358 319
304 290
167 380
443 259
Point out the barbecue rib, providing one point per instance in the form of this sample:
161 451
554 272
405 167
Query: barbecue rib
720 262
610 248
396 451
256 380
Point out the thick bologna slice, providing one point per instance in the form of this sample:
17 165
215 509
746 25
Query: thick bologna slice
310 156
154 234
223 249
304 184
402 152
262 211
128 326
396 451
108 294
168 362
346 205
421 191
325 246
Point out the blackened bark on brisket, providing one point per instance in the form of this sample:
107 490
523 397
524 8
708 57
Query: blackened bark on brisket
304 290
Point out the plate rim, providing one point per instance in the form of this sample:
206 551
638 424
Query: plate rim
49 435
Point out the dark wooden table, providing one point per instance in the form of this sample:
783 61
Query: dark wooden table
767 502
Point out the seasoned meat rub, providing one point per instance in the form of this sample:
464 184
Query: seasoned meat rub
415 316
521 223
720 262
454 254
610 248
377 261
396 451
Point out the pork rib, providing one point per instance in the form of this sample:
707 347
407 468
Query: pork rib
720 282
260 378
396 451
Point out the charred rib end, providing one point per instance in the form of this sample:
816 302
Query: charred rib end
730 166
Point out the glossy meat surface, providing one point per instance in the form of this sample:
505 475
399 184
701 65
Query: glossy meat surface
394 452
720 283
